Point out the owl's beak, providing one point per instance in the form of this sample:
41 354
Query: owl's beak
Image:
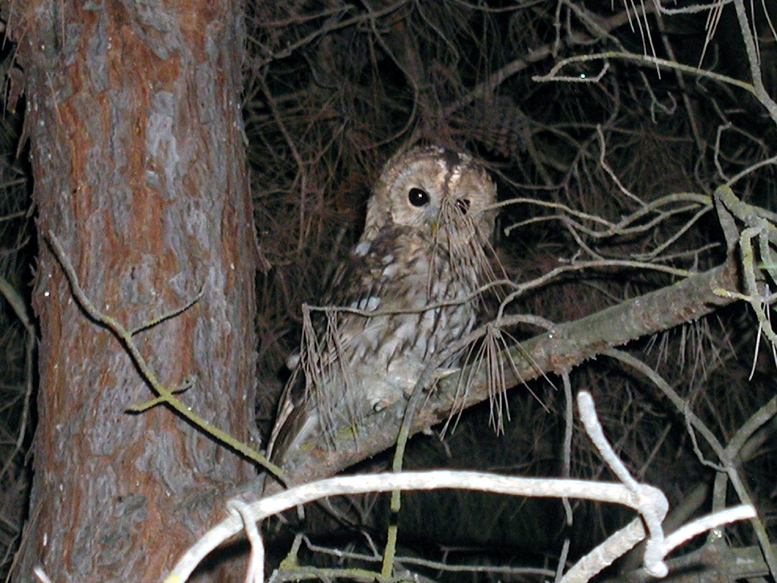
434 212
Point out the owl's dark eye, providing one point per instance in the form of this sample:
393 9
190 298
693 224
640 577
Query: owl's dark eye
418 197
463 205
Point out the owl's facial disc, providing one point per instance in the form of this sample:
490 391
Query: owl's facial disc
436 191
419 198
434 197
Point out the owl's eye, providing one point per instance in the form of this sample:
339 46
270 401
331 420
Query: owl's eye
418 197
463 205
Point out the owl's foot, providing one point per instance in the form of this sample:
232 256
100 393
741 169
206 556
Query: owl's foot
442 373
437 375
379 404
387 399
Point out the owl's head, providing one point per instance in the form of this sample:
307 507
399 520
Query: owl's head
444 194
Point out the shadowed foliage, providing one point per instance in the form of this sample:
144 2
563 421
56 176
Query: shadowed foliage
610 233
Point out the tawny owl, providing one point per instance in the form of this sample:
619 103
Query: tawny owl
406 293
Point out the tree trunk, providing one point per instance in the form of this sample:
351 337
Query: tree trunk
134 118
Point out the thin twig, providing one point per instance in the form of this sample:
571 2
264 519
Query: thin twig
165 395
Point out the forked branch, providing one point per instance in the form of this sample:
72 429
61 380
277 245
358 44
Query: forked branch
648 501
165 395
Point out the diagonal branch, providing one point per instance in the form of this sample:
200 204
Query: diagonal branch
165 395
560 350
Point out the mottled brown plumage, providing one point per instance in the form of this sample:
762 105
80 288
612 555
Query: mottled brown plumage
427 227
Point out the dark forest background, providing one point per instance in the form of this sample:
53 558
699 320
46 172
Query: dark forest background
606 168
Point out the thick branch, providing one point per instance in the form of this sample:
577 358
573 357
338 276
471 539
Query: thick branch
566 347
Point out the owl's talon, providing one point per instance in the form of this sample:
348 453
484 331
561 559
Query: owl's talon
380 404
444 373
384 403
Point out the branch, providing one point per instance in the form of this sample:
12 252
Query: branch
560 350
642 500
164 395
596 25
649 502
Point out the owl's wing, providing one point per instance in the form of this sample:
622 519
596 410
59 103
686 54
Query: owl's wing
296 420
361 277
320 389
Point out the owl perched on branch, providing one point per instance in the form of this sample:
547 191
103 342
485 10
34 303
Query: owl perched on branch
408 291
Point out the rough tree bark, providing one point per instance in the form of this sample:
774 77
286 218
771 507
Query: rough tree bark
134 120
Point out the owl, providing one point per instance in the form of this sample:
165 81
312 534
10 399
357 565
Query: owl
408 291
